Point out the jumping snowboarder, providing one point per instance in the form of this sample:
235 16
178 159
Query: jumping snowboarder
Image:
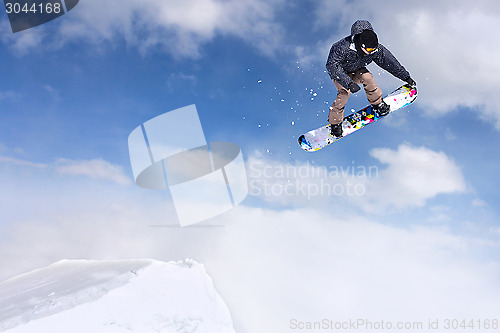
346 65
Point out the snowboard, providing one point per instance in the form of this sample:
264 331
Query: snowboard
321 137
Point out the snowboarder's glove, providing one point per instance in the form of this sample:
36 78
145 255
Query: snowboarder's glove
354 88
411 82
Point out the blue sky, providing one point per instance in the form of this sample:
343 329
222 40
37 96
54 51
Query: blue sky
74 89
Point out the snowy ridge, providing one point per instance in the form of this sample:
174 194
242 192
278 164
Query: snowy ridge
113 296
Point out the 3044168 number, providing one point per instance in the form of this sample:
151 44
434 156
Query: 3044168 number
40 8
473 324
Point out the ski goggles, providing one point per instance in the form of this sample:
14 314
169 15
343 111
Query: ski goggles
370 49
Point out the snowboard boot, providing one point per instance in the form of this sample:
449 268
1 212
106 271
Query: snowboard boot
336 130
382 109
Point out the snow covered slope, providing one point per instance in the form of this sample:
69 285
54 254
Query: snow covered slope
82 296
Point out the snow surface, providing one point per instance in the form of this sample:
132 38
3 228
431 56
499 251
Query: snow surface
82 296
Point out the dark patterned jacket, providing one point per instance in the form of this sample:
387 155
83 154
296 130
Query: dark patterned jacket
344 58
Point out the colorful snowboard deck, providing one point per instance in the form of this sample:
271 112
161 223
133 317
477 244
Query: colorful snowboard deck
321 137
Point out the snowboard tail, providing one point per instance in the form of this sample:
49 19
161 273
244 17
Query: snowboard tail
321 137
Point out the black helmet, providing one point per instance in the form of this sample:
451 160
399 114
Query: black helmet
367 40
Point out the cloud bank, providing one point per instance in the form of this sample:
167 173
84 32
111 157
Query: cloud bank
279 265
95 169
180 28
404 178
283 265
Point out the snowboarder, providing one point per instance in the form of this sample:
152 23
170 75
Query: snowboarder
346 65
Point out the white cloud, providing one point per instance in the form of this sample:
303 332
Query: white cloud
479 203
180 28
447 47
9 94
408 178
413 176
20 162
54 93
305 184
96 169
19 42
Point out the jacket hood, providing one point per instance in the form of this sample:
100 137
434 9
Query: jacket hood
359 26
